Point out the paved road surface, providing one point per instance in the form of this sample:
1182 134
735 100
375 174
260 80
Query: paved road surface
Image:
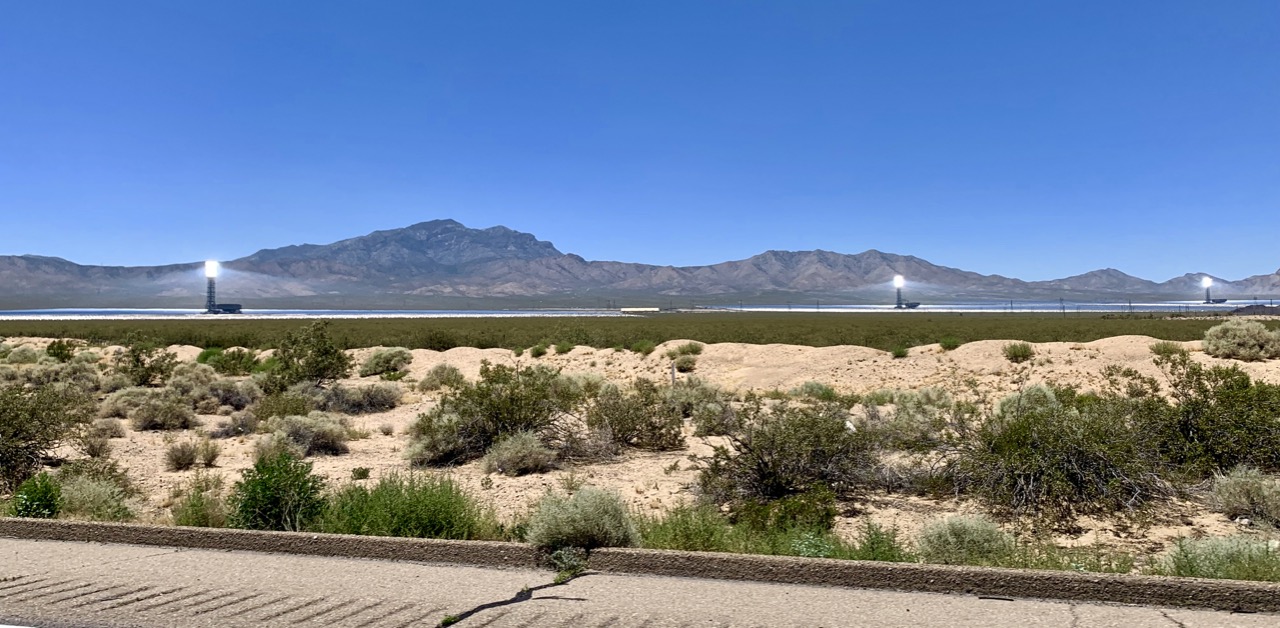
55 583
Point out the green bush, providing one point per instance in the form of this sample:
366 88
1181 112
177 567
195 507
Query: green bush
144 361
899 352
361 400
61 350
964 541
589 519
785 449
234 362
316 433
949 343
107 428
817 391
208 451
1220 419
505 400
180 456
93 498
1242 340
518 454
121 402
414 505
537 350
1247 492
641 417
1234 558
39 497
643 347
386 361
201 503
360 473
814 509
278 493
241 424
24 355
563 347
688 348
307 355
34 422
1038 456
1018 352
104 469
441 376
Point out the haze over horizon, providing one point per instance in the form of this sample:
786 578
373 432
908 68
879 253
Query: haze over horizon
1030 141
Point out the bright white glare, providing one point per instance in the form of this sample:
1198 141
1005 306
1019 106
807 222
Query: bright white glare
1206 282
898 281
210 269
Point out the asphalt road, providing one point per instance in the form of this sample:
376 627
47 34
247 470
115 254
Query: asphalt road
58 583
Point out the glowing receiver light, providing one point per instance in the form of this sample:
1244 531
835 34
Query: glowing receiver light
899 281
210 269
1207 282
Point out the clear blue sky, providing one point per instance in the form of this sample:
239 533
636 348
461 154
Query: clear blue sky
1029 139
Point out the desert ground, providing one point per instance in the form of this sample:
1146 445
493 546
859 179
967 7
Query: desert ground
653 482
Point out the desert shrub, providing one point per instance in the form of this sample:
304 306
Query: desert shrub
640 417
283 404
386 429
94 446
23 355
899 352
191 380
144 362
308 354
538 350
518 454
1220 419
121 402
201 503
278 493
1037 455
441 376
79 375
34 422
360 473
361 400
316 433
949 343
240 424
413 505
274 444
783 450
107 428
815 390
686 364
104 469
1247 492
715 418
469 419
563 347
643 347
589 519
61 350
180 456
207 452
233 362
5 350
86 357
1167 348
386 361
1018 352
237 394
39 497
1234 558
94 498
964 541
690 528
162 412
1242 340
688 348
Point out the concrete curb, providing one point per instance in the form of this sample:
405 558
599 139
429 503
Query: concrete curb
1225 595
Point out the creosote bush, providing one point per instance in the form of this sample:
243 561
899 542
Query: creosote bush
308 354
1235 558
34 422
643 417
230 362
518 454
201 503
386 361
1242 340
181 456
316 433
144 361
589 519
162 412
94 498
1166 348
40 497
362 399
686 364
1018 352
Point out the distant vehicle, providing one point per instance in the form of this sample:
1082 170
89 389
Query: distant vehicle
224 308
911 305
1216 301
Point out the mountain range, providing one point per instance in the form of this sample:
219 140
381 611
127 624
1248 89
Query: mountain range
442 263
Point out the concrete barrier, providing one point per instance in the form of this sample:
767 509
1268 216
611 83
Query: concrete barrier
1226 595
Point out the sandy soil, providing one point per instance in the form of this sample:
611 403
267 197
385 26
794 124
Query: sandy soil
654 482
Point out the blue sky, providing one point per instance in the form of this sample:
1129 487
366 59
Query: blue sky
1029 139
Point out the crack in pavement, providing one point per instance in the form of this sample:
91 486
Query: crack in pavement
524 595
